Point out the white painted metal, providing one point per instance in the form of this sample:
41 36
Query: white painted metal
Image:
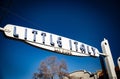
65 49
118 62
108 59
2 29
103 54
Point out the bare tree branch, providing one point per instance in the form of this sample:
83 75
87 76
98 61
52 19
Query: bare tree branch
50 68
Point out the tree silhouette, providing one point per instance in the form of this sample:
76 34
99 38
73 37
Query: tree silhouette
51 68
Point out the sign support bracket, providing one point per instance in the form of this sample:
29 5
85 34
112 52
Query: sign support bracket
1 29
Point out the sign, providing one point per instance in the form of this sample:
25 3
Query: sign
63 45
50 41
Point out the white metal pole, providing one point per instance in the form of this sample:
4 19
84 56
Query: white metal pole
108 59
118 62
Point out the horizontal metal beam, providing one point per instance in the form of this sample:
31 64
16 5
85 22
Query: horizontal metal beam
102 54
1 29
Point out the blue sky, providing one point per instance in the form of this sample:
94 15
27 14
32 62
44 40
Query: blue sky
85 21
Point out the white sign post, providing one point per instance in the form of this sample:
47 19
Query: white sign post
63 45
108 60
118 61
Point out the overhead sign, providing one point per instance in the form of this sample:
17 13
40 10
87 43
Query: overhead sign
50 41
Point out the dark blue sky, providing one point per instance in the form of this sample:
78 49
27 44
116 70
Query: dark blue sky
86 21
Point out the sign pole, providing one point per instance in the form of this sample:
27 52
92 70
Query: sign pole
118 62
108 59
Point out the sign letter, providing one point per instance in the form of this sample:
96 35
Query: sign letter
25 34
93 50
59 42
51 41
14 33
43 34
70 44
35 33
76 45
82 48
88 50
